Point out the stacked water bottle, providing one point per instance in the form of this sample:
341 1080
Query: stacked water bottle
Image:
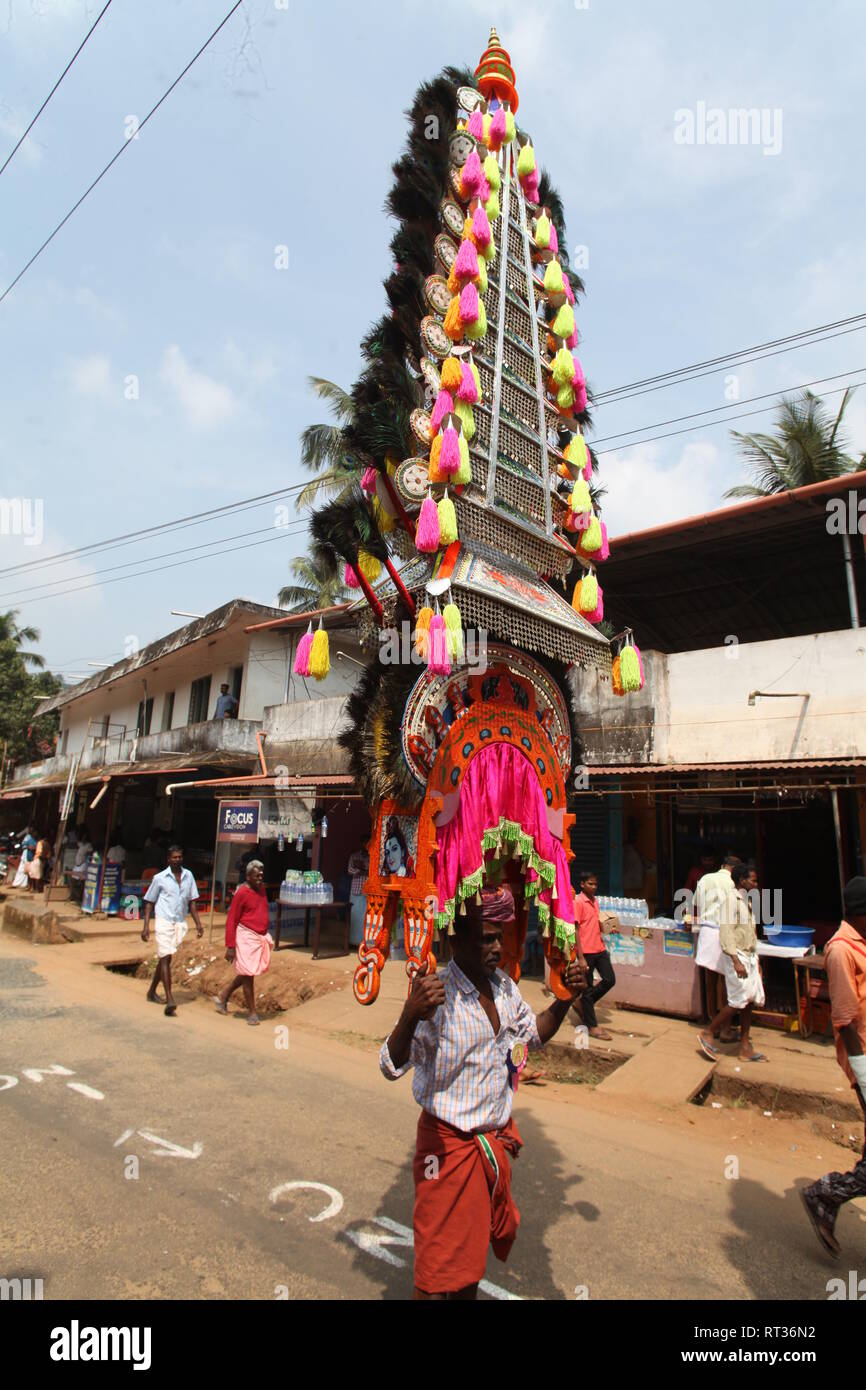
305 888
632 912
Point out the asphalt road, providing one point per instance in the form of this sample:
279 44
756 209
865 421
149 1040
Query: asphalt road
156 1163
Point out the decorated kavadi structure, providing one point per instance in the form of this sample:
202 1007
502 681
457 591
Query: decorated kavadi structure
467 434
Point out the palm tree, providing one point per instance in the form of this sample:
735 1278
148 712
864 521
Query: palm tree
311 590
806 448
11 632
323 448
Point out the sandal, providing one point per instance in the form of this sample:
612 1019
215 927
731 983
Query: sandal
221 1008
710 1052
815 1210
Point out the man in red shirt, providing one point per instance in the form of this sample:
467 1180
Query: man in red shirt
248 945
845 964
588 923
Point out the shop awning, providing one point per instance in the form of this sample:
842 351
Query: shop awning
17 795
155 767
659 769
256 785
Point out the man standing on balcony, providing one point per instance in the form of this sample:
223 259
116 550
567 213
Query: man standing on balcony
169 898
226 705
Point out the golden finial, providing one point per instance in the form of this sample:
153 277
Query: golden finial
494 37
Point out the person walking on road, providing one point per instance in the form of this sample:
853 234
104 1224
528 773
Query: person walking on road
170 897
588 924
744 985
466 1030
248 945
845 964
710 896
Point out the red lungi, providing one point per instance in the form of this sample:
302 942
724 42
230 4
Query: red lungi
462 1203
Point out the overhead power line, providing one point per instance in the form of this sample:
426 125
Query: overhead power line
13 152
62 223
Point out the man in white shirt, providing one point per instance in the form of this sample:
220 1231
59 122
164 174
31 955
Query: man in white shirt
711 897
116 853
170 897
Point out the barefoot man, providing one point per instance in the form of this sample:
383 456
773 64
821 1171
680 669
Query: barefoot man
169 898
248 945
845 963
738 938
465 1029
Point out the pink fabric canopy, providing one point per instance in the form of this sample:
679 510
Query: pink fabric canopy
502 807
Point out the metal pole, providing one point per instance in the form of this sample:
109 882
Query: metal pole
216 845
837 826
849 575
502 272
539 383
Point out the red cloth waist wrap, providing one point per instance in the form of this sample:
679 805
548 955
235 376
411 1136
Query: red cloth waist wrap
463 1203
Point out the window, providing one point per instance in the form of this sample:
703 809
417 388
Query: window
167 711
199 699
145 715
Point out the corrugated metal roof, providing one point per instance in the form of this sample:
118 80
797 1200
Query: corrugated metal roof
655 769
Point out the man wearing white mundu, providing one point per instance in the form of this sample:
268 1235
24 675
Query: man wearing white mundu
169 898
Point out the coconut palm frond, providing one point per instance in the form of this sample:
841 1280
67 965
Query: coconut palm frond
339 400
806 448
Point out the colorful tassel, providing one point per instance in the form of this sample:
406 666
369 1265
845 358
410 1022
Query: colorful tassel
553 283
563 324
452 374
454 631
477 375
453 281
437 654
468 388
604 548
320 663
578 379
489 251
576 453
588 593
567 290
554 240
466 418
422 631
496 135
449 459
469 305
484 191
470 176
542 231
616 677
350 577
565 397
464 465
530 188
629 669
477 330
427 530
481 278
434 471
302 655
591 539
492 174
466 264
492 208
580 399
444 406
452 325
481 232
368 482
369 566
384 520
447 520
563 364
476 124
487 122
510 128
580 500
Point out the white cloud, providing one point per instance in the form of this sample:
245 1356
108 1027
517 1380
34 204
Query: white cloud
89 376
206 403
254 370
642 493
30 153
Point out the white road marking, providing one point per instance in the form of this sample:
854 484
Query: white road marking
334 1206
374 1244
168 1149
127 1133
8 1082
37 1073
83 1090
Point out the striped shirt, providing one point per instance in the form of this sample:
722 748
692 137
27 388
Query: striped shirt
461 1071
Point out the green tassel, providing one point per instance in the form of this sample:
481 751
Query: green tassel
464 472
565 396
478 330
447 520
492 174
489 252
629 669
454 633
588 592
553 282
542 232
463 410
477 375
481 280
563 324
581 500
510 128
590 541
525 161
492 208
563 366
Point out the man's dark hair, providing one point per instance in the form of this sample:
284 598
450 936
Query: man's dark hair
729 859
740 871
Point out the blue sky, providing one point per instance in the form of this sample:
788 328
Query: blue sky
282 134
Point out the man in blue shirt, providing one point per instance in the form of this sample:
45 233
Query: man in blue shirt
169 898
226 705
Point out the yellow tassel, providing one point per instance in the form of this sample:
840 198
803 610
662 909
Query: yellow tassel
453 327
580 499
492 174
492 208
481 280
486 124
451 374
463 410
590 541
563 366
477 330
510 128
453 631
489 252
320 663
565 397
576 452
384 520
464 472
447 521
542 233
477 375
525 161
563 324
369 566
467 231
553 283
588 594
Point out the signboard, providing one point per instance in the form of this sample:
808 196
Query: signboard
91 887
679 943
238 822
625 950
111 889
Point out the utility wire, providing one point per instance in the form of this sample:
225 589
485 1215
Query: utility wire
62 223
11 156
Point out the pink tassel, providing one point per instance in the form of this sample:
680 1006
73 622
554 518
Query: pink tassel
476 124
580 400
302 656
438 663
597 615
466 265
469 304
530 187
481 228
554 241
449 459
467 390
471 175
587 470
350 577
639 661
497 129
581 521
444 406
566 283
484 191
427 533
572 341
368 482
578 379
604 552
